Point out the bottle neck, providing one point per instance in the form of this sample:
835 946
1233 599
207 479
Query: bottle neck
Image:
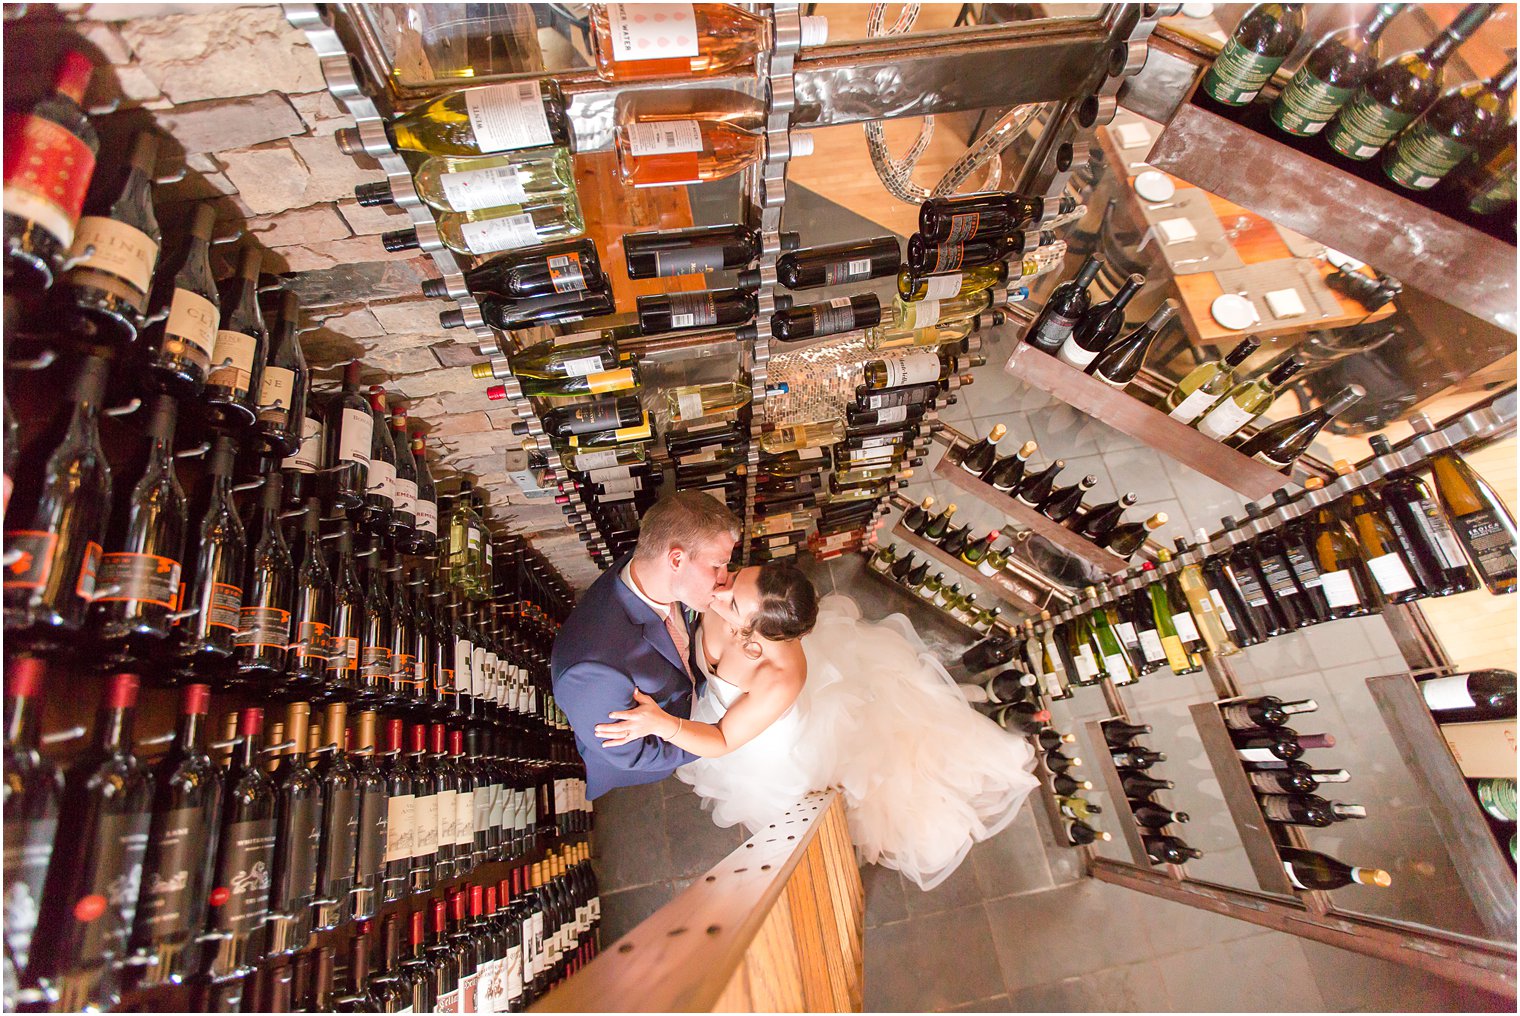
114 729
190 735
1381 16
20 722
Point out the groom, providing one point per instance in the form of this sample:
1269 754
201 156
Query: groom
632 630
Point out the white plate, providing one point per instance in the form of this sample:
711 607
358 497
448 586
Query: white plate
1233 311
1340 260
1197 10
1154 185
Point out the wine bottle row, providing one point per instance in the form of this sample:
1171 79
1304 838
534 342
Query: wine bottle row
1135 764
1475 712
1391 121
933 588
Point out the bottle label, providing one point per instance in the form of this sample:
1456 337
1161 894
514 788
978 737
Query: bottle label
232 362
1448 693
692 310
1191 408
1489 544
398 828
313 642
580 366
1279 579
340 843
1087 666
513 965
689 405
308 457
838 315
356 436
926 313
948 257
567 273
47 172
464 817
1293 876
174 875
1493 196
1187 629
508 116
224 606
427 516
911 368
691 261
1256 755
1225 419
1126 632
1219 609
373 832
610 381
1074 355
424 825
33 563
1150 646
461 666
479 678
963 226
470 190
503 232
1277 809
1052 331
1118 669
191 329
382 480
652 31
1339 589
276 390
448 816
120 251
102 915
1448 548
148 578
447 1002
664 137
849 270
1238 74
1364 126
1307 104
405 495
943 287
240 899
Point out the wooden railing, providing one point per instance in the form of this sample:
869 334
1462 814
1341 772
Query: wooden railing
776 926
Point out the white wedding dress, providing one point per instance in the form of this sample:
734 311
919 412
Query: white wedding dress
924 775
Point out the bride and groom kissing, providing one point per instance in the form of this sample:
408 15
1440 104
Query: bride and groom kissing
753 690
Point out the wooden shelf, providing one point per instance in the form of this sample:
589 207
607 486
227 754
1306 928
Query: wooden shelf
1476 855
948 469
1108 773
1129 415
1002 588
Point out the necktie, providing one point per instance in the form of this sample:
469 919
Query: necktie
676 625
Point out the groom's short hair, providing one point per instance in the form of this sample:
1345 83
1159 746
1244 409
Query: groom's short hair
686 519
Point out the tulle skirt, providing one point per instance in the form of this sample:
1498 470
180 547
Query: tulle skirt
924 776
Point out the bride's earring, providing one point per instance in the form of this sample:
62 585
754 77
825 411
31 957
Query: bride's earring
752 650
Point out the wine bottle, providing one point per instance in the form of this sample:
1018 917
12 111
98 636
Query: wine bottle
1246 401
1277 742
1170 849
427 491
1485 184
62 509
1121 732
935 529
816 320
298 838
280 399
1280 444
1098 521
342 679
979 457
339 835
372 824
1309 869
348 428
1260 43
1482 520
239 901
1035 488
1111 656
1173 643
1307 810
1121 360
33 788
966 217
1081 834
89 899
925 257
478 121
976 551
204 642
1343 578
1205 384
425 843
1066 306
311 614
52 148
1099 327
405 513
237 362
1125 540
716 308
993 651
551 269
1063 502
664 153
1379 547
917 517
104 294
177 872
1435 555
1007 474
138 582
400 799
1153 816
1477 695
491 230
1400 90
667 252
525 177
380 486
186 299
1263 711
1332 72
1138 786
688 40
951 285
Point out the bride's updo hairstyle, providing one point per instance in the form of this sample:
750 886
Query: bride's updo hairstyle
788 604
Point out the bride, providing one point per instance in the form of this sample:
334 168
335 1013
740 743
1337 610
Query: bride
801 695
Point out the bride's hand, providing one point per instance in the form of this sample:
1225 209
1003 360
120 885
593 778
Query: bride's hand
645 718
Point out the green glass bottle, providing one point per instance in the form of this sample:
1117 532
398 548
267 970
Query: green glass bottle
1161 614
1261 42
1331 74
1115 661
1081 646
1450 131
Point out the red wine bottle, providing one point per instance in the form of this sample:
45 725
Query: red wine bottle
237 362
399 801
425 845
340 821
403 691
467 949
403 478
263 636
204 641
280 401
186 305
138 584
177 874
380 494
49 160
464 806
347 618
666 252
446 791
369 853
244 852
1067 305
59 522
90 896
427 495
443 960
1475 695
104 294
33 788
376 637
311 614
298 839
348 428
551 269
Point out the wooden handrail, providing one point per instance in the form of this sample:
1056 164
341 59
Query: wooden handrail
776 926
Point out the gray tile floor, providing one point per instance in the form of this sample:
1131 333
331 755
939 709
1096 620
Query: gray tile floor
1017 927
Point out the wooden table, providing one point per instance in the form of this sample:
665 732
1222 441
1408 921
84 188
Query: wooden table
1256 241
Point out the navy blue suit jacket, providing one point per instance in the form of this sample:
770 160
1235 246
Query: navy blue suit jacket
612 643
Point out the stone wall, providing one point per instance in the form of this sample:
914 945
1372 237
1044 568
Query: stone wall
242 95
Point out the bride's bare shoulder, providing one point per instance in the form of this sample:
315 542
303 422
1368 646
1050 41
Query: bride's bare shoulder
784 664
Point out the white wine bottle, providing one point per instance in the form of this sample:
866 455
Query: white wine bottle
498 229
478 121
1246 401
532 177
1205 384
